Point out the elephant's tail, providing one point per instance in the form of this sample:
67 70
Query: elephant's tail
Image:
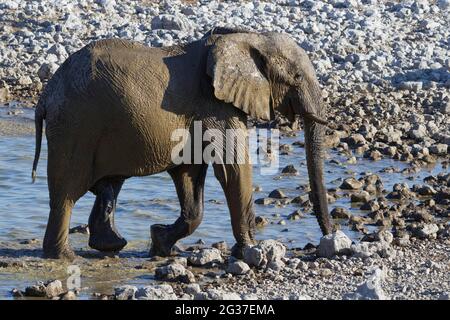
39 117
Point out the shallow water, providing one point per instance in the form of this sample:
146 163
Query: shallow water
148 200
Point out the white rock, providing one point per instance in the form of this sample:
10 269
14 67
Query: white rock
125 292
54 288
192 288
238 268
156 292
171 22
206 256
334 244
216 294
371 289
265 252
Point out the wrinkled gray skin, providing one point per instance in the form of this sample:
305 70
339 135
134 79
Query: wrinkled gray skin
111 107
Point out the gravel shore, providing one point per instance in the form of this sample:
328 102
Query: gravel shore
385 71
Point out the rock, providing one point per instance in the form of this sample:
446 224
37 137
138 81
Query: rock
426 191
192 288
25 81
351 184
83 229
263 253
264 201
238 268
37 290
443 4
277 194
289 170
53 288
4 93
439 149
444 296
49 289
221 245
125 292
418 132
174 272
340 213
276 265
334 244
171 22
362 196
414 86
16 293
261 222
296 215
69 295
206 256
426 231
156 292
215 294
371 289
366 250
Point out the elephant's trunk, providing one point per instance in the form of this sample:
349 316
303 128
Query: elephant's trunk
314 157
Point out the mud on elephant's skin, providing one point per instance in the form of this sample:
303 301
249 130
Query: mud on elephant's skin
111 108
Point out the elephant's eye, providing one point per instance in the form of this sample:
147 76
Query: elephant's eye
298 77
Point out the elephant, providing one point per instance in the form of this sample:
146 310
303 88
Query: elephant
111 107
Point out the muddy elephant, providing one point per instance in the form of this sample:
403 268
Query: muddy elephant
111 108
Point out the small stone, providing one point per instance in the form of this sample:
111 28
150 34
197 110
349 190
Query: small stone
277 194
263 253
125 292
238 268
296 215
289 170
340 213
264 201
261 222
69 295
156 292
334 244
53 288
427 231
83 229
371 289
351 184
221 245
439 149
171 272
192 288
362 196
206 256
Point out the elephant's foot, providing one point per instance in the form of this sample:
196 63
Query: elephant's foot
64 253
162 240
238 249
107 241
103 233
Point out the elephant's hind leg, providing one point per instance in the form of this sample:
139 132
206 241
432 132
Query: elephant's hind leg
65 188
189 181
103 233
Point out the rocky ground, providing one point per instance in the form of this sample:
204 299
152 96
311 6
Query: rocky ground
385 71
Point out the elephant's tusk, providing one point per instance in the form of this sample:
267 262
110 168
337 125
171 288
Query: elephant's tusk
315 118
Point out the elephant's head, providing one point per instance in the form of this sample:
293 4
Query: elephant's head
260 73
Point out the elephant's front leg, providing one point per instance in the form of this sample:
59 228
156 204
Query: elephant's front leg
189 182
103 233
236 181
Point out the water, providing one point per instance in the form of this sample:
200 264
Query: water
147 200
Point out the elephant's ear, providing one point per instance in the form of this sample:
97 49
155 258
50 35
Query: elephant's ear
235 67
